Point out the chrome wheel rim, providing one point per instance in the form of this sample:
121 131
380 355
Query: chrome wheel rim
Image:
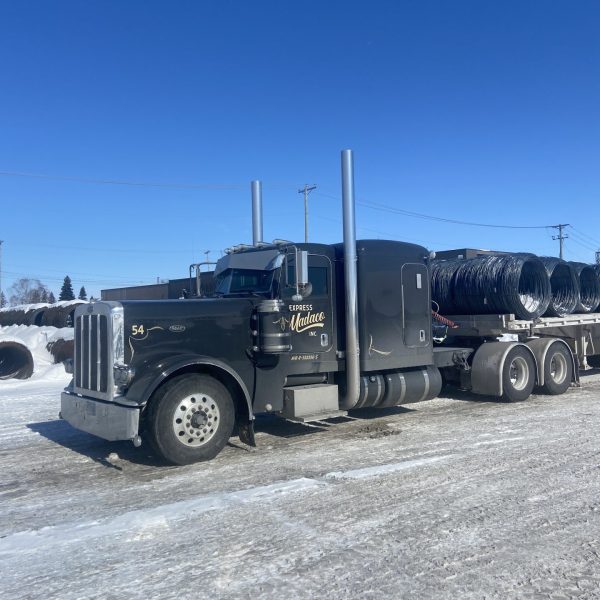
558 368
519 373
195 420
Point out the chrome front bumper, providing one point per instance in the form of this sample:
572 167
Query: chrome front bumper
107 420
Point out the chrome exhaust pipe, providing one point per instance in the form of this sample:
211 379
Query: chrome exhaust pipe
257 220
351 397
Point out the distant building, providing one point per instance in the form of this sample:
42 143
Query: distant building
171 290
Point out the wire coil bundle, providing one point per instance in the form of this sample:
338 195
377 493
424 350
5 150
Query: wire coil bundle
442 281
589 288
564 286
509 283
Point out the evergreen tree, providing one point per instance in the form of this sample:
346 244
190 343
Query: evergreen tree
51 298
2 300
44 296
82 294
66 291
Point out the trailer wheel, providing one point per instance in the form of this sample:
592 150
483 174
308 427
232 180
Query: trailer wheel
190 419
518 375
558 370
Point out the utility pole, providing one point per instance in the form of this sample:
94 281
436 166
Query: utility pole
306 190
560 237
598 257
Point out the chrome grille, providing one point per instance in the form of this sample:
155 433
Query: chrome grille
95 349
92 353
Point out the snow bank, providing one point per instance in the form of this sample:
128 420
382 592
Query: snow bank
36 339
30 307
59 314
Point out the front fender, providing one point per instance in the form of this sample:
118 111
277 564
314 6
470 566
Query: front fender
155 374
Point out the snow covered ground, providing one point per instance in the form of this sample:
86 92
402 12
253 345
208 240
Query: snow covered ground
36 340
452 498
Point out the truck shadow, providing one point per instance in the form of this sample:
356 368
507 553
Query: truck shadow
98 450
276 426
452 393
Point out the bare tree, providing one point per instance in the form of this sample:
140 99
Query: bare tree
27 291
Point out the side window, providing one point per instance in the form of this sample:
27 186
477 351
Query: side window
317 275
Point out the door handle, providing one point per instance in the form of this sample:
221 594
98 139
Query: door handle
324 340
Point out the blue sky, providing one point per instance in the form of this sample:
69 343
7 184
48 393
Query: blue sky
484 112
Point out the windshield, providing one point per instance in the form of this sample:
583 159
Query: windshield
238 281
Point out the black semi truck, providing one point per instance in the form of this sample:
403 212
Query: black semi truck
303 331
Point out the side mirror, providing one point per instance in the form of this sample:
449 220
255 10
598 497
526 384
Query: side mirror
302 285
301 268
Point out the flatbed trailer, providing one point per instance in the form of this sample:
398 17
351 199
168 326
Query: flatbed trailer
581 332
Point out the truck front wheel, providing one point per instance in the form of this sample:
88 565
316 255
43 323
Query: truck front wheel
518 375
190 419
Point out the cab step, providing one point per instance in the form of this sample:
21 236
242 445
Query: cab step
313 402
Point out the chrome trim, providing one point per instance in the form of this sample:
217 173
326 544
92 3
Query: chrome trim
93 374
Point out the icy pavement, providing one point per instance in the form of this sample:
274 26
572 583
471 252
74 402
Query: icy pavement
452 498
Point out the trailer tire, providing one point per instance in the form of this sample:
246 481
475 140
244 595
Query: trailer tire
558 370
518 375
190 419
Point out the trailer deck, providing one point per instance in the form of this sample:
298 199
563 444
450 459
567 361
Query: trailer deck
580 331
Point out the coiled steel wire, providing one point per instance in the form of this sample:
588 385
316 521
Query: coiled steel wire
564 286
442 278
508 283
597 270
589 288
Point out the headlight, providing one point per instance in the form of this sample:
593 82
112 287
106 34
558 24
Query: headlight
123 375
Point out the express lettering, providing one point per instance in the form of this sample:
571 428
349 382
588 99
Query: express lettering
299 307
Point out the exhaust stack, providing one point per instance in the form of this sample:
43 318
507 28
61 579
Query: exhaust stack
257 222
352 347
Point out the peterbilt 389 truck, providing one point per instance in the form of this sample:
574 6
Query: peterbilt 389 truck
300 330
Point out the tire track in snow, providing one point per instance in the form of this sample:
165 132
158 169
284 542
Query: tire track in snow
131 523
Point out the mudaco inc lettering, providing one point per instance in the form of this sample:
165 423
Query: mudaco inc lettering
302 322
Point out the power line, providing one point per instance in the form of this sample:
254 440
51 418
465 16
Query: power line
150 184
582 242
189 186
104 250
408 213
585 235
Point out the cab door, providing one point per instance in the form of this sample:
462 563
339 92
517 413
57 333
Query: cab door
311 319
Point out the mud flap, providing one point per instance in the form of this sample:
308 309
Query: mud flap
246 433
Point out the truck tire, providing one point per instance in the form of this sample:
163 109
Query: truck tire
558 370
518 375
190 419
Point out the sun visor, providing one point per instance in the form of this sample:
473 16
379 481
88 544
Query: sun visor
262 260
